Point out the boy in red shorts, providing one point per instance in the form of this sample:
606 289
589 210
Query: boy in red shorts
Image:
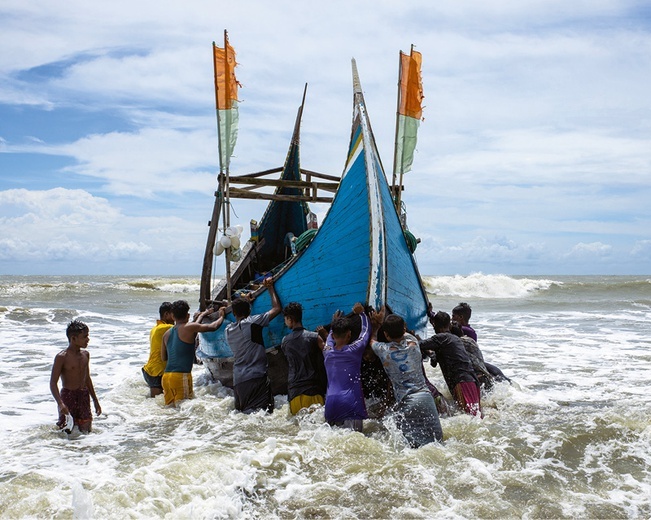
72 366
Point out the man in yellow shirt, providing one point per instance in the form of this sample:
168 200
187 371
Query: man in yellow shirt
153 370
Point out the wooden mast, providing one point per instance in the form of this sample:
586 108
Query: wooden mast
206 284
208 258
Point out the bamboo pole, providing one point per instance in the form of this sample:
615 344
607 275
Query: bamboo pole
394 191
227 200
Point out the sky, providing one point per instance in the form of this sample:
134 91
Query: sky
533 158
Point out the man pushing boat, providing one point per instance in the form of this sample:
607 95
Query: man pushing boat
250 368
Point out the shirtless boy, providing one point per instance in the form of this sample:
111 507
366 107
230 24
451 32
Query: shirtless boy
72 366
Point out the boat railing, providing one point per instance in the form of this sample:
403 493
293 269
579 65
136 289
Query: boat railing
309 188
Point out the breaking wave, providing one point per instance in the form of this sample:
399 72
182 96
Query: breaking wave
478 285
14 286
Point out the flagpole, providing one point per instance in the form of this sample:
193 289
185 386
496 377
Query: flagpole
227 201
214 66
219 141
411 52
394 189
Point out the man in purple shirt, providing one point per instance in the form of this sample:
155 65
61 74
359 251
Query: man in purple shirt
344 404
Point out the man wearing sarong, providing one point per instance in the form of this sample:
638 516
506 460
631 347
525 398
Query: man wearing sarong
461 314
178 348
415 409
72 366
250 368
448 351
476 357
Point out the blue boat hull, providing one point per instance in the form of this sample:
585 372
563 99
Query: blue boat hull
359 254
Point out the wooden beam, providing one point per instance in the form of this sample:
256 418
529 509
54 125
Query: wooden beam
240 193
310 173
325 186
320 175
265 172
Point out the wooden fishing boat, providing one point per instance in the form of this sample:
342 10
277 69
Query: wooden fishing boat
360 253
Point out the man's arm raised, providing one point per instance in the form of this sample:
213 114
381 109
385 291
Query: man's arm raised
207 327
276 307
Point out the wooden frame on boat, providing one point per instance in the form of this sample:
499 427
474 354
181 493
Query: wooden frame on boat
360 253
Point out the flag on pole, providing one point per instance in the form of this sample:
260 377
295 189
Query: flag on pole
410 111
226 86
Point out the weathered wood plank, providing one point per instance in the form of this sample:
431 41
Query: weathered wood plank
241 193
244 179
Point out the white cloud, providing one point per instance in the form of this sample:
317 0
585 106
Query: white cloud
537 119
74 227
642 249
592 250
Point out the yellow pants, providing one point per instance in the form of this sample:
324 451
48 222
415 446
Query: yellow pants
177 386
304 401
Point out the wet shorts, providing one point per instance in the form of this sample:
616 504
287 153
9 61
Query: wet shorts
78 403
152 381
253 395
418 419
304 401
177 386
466 395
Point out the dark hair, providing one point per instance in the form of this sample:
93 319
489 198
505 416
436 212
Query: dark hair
180 309
294 310
455 328
164 308
340 326
441 320
463 310
75 328
393 326
241 307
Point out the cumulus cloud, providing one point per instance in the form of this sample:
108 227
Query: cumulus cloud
642 249
73 226
535 121
480 253
593 249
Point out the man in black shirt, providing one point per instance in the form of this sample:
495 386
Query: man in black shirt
448 351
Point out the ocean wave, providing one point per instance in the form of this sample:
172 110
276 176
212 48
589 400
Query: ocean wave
478 285
181 285
37 315
52 287
19 288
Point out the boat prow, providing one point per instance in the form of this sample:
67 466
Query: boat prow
359 254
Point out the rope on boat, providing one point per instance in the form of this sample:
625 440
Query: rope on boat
412 241
305 238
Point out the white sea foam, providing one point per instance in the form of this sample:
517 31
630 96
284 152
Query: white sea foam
478 285
569 438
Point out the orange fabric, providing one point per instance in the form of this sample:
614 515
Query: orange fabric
411 85
225 82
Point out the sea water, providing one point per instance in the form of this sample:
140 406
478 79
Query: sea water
570 438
